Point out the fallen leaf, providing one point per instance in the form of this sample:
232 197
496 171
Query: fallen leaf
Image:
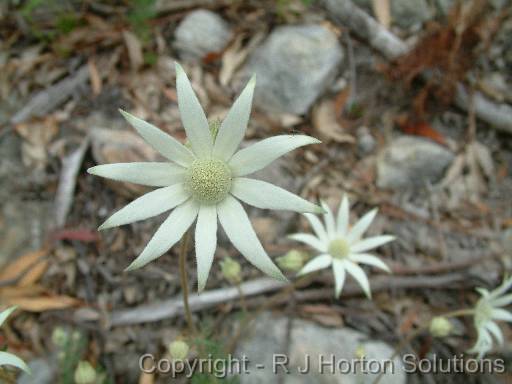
381 9
94 76
420 128
326 124
134 48
82 235
43 303
30 267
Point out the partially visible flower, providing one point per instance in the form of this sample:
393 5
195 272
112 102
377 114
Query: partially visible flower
178 350
342 247
488 309
85 373
8 358
440 327
205 182
292 261
231 270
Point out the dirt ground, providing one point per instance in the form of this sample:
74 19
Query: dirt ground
415 118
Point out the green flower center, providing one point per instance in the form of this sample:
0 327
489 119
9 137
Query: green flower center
208 180
339 249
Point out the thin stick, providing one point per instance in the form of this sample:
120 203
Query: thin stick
184 281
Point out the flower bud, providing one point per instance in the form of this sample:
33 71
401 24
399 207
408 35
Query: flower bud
60 337
178 350
440 326
292 261
85 373
231 270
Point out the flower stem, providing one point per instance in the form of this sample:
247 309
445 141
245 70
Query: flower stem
184 281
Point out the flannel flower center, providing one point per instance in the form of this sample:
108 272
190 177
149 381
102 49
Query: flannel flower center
209 180
339 249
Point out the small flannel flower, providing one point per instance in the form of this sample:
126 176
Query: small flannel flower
205 182
342 247
8 358
488 310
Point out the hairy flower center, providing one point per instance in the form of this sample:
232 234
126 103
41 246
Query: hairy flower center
339 249
209 180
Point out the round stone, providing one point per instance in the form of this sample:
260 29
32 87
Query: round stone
209 180
339 249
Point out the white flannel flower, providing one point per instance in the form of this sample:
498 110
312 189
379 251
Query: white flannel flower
204 182
342 247
488 309
8 358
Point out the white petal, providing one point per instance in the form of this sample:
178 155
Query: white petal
239 230
364 258
15 361
317 227
264 195
261 154
343 217
152 174
493 328
5 314
502 301
232 129
330 225
151 204
339 276
192 115
501 314
361 226
168 234
161 141
359 275
504 287
206 242
370 243
310 240
315 264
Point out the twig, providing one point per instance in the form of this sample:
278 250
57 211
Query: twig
174 307
184 281
46 100
67 181
366 27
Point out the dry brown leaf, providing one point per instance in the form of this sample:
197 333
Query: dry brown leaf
25 291
134 49
37 134
381 9
43 303
31 265
326 124
323 314
95 77
234 56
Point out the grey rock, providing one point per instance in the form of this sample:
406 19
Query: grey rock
411 162
42 373
293 67
407 13
200 33
365 141
23 226
267 340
